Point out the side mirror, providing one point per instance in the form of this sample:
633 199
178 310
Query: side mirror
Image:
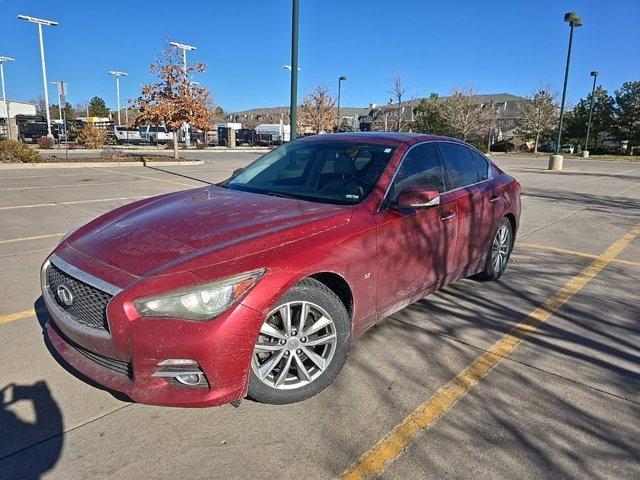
417 197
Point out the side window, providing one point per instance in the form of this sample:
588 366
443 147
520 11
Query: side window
459 165
482 165
419 167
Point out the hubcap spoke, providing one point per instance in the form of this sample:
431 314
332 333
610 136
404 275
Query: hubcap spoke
321 340
304 313
268 347
303 373
282 376
270 364
315 358
318 325
285 313
271 331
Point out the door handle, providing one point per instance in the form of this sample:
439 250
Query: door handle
495 199
451 216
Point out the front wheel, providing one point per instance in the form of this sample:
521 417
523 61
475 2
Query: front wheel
499 252
302 345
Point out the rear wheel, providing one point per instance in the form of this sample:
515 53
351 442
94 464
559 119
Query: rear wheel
302 345
499 251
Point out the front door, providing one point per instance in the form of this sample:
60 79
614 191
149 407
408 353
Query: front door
415 247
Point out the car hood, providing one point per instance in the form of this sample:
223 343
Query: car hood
210 222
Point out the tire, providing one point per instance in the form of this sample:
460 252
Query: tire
322 305
494 269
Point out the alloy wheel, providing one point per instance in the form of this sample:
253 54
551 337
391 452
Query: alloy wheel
500 248
295 346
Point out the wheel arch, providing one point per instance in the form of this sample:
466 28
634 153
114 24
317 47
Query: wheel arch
512 220
338 285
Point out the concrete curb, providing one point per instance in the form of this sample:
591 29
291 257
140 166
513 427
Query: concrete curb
24 166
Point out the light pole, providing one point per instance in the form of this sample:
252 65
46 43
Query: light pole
49 23
59 85
574 20
184 47
585 152
4 60
118 74
293 106
340 80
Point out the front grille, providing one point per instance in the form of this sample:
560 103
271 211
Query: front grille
89 306
116 366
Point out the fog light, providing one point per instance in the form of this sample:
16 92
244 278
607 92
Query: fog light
181 372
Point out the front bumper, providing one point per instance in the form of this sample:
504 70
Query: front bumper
222 347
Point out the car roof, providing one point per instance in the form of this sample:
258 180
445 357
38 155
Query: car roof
395 138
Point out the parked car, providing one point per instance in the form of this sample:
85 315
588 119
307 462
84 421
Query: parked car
155 134
259 285
567 148
125 135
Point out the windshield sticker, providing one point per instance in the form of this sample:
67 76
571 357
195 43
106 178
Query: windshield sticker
387 150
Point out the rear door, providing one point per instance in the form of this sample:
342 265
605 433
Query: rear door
463 184
416 246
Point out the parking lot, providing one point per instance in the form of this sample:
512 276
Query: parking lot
534 376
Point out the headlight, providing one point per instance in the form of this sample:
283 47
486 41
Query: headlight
201 302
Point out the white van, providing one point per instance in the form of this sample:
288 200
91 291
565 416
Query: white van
125 135
272 133
155 134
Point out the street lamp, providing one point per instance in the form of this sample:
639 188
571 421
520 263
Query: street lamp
293 106
4 60
288 67
341 79
574 20
118 74
59 85
49 23
184 47
585 152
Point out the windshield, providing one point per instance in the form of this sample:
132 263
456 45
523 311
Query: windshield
323 171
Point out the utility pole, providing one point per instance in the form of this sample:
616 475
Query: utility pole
340 80
4 60
118 74
50 23
293 106
184 47
574 20
585 152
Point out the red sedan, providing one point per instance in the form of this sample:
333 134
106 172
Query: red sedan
258 285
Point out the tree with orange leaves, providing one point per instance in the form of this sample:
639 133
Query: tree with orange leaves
174 99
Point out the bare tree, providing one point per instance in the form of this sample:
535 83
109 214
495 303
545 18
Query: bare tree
465 113
538 115
174 99
397 91
40 105
317 110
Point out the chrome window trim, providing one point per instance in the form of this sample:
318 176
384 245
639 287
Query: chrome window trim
61 315
383 203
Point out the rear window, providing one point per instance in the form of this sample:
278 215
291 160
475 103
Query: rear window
482 165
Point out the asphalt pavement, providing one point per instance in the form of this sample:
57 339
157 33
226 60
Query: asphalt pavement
441 389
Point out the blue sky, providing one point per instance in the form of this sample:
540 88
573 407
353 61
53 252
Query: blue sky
496 46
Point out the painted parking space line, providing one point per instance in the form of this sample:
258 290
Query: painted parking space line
70 185
155 179
575 253
17 316
390 447
24 239
76 202
612 173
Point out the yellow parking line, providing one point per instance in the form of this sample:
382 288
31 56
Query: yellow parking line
17 316
572 252
37 237
375 460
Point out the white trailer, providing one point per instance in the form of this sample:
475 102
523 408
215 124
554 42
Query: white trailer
273 133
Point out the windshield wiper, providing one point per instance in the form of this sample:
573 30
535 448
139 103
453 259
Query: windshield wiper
277 194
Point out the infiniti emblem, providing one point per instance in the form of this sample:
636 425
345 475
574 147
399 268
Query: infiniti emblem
65 294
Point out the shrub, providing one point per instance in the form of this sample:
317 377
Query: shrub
45 142
12 151
92 137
